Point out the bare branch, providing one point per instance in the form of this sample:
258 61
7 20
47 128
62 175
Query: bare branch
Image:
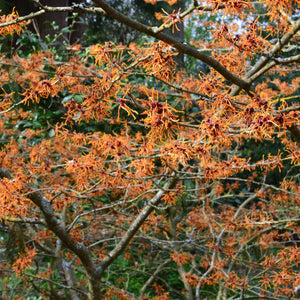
181 47
136 224
153 277
263 61
93 10
53 224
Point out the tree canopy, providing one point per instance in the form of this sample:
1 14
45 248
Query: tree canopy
127 176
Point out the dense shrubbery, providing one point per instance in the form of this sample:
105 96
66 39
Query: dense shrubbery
124 176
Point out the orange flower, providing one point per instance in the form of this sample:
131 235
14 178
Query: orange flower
172 18
24 261
10 29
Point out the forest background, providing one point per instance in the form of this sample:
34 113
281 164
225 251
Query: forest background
149 149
